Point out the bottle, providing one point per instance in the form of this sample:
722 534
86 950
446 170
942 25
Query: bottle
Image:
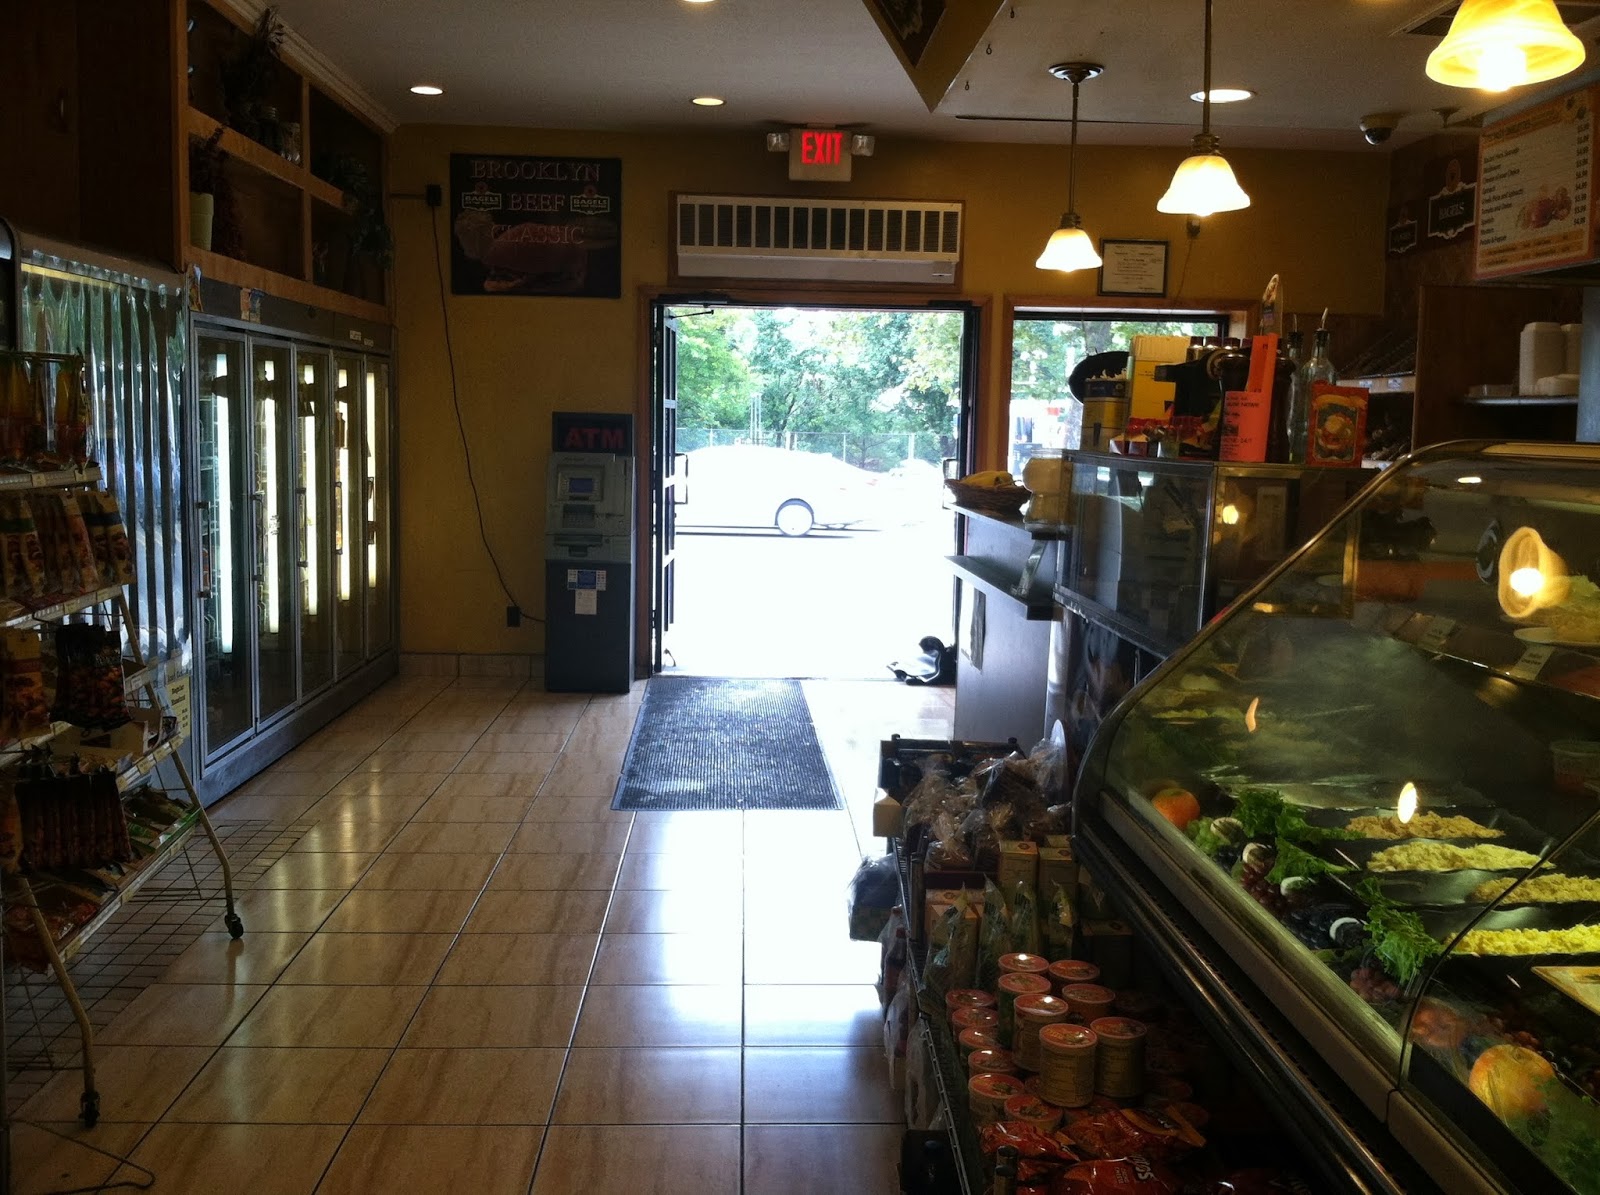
1283 382
1317 369
1197 348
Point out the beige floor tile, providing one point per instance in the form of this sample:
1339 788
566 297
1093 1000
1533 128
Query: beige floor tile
392 782
418 737
170 1014
650 1086
545 741
563 873
660 1015
494 1016
805 1159
284 783
364 1016
812 1015
607 748
281 910
714 834
513 912
458 808
456 838
520 960
579 779
434 1160
351 959
263 1159
833 1085
42 1162
377 911
535 721
280 1085
489 784
679 1160
429 872
315 870
530 765
482 1087
801 958
258 957
388 760
568 838
329 763
338 738
136 1084
667 958
680 912
681 870
262 807
576 809
369 807
346 836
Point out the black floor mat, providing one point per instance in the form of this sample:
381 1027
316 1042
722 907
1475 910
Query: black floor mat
721 743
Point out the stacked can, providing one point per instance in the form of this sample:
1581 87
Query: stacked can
1088 1000
1119 1062
1022 963
1068 971
1067 1058
1034 1013
960 998
977 1039
974 1018
991 1062
1034 1111
987 1096
1018 983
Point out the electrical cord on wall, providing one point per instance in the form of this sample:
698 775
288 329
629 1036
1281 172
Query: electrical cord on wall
461 427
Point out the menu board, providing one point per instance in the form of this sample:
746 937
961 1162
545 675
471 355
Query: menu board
535 225
1533 181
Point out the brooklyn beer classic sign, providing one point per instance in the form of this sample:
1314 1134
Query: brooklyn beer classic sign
535 226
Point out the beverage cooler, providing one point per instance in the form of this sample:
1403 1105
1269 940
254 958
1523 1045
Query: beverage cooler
1359 814
294 497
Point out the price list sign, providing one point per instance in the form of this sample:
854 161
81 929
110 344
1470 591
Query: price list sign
1533 182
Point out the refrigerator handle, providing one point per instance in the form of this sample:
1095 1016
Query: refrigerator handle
204 513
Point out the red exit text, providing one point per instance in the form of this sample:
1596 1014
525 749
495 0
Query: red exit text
821 147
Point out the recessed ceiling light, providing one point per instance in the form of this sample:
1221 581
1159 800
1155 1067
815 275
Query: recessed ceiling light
1225 95
708 101
427 89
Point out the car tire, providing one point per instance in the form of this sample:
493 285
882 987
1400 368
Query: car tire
794 518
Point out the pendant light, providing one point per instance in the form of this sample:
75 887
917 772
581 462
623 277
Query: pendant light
1203 183
1069 247
1494 45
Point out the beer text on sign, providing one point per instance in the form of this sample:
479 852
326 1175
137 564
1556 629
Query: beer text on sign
821 147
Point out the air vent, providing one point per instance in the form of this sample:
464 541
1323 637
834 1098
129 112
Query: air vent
1437 22
841 240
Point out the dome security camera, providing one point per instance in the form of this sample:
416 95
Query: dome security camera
1378 127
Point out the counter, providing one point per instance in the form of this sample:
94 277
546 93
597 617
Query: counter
1005 575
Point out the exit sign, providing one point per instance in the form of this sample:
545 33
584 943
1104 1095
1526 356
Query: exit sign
819 155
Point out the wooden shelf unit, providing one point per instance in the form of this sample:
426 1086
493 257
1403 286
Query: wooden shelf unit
294 226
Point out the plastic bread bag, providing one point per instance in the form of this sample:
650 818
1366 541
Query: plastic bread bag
936 974
1056 923
1024 930
874 892
932 795
964 945
949 852
979 829
994 935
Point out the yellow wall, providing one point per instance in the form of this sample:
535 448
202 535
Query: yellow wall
1316 218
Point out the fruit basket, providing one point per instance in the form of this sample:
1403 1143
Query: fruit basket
988 499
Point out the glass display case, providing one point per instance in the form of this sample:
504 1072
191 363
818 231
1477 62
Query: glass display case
1373 786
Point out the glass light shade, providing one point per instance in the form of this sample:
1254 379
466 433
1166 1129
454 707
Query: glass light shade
1202 185
1498 44
1069 248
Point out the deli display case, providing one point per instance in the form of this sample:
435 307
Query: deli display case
1362 810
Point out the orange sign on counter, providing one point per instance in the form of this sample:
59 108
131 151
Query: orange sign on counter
1534 210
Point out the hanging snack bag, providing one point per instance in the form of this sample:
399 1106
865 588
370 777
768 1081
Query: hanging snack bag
23 709
55 546
71 415
16 398
84 570
119 552
89 690
23 554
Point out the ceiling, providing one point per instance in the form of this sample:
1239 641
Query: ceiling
1318 66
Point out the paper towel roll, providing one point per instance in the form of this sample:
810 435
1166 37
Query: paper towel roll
1543 354
1574 335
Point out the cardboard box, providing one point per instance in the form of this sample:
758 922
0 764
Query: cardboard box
1019 864
1150 398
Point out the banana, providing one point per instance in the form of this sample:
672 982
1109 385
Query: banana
990 477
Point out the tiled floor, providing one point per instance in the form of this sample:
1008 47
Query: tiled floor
463 972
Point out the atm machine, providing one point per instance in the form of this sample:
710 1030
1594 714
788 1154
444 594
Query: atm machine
588 573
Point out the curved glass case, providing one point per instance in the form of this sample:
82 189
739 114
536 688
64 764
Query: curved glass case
1376 777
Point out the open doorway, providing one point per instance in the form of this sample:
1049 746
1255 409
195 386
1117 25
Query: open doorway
800 522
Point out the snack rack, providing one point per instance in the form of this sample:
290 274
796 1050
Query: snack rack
142 679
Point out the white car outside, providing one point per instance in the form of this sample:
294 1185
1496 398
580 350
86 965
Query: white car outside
749 485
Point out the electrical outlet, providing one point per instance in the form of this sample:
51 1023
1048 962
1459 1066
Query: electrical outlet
513 616
434 194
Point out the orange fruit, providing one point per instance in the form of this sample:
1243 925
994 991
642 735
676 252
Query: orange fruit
1177 805
1507 1078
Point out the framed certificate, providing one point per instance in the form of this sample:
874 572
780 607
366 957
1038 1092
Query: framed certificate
1133 267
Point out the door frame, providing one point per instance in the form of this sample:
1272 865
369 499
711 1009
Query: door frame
977 421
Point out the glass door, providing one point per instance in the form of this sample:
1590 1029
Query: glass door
270 488
347 539
225 565
315 559
375 492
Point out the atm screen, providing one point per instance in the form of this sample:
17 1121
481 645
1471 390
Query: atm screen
580 487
